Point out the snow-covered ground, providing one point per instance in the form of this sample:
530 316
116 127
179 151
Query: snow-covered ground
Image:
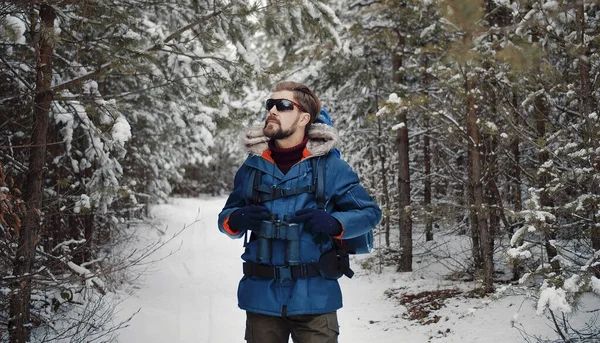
190 296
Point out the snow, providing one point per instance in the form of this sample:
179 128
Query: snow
555 299
428 30
310 9
19 28
121 131
491 126
132 35
398 126
77 269
550 5
62 116
572 284
82 202
90 279
190 295
520 252
296 13
67 243
90 87
331 14
250 58
394 98
595 284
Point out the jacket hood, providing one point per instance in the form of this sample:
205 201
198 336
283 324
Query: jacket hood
321 139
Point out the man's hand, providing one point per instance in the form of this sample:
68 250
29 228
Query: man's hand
318 221
248 217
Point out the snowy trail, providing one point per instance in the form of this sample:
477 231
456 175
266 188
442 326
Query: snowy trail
191 296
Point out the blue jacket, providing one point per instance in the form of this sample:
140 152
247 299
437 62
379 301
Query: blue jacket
346 200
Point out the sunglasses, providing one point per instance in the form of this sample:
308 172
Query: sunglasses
283 105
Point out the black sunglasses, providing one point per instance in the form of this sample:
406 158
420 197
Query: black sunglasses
283 105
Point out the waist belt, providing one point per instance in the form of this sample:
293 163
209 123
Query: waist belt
302 271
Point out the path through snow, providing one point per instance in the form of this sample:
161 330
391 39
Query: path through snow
190 296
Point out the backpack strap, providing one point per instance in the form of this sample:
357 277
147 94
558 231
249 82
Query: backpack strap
318 165
339 259
265 193
252 196
256 193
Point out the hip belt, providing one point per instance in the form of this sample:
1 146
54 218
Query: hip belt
302 271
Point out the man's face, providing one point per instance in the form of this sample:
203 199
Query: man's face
282 124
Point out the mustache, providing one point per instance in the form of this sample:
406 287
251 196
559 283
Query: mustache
273 119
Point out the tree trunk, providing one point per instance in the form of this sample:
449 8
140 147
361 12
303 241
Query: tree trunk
515 182
515 169
477 207
427 166
540 114
405 222
405 261
473 165
19 325
397 58
475 237
427 190
384 180
492 194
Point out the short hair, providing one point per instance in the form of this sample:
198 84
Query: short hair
303 95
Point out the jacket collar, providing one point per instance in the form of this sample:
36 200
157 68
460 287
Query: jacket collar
321 139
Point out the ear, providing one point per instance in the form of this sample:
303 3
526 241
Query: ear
305 119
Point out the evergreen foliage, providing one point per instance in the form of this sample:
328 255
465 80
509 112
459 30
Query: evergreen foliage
527 71
138 91
149 99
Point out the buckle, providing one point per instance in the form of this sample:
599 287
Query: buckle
277 192
274 191
282 273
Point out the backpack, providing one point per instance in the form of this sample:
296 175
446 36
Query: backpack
339 260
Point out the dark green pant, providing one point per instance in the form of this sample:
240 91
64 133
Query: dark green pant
306 328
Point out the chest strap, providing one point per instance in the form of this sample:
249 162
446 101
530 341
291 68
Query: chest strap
302 271
271 193
257 193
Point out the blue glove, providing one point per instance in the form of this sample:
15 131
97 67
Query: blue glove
248 217
318 221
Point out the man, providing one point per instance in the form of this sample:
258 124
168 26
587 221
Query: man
286 288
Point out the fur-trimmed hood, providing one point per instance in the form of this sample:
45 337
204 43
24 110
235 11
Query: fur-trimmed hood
321 139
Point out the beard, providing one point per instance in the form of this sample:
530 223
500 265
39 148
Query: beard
276 132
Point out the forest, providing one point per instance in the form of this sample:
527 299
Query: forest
472 117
